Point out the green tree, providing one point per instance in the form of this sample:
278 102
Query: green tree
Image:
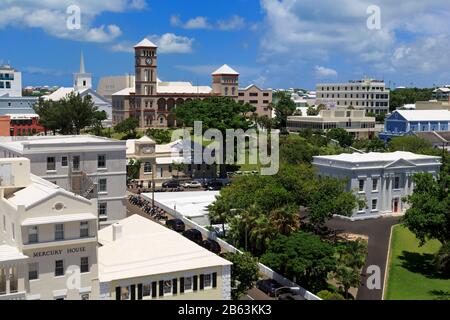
160 136
344 138
428 216
128 126
302 257
283 108
244 273
133 168
179 167
69 115
219 113
409 143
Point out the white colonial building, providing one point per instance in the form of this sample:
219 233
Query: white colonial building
93 167
381 179
48 238
142 260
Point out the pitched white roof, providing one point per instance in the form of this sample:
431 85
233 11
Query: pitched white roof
425 115
59 94
8 253
146 43
225 69
147 248
125 92
376 157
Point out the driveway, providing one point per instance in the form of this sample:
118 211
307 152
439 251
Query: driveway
378 231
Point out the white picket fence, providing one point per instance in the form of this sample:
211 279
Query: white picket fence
266 271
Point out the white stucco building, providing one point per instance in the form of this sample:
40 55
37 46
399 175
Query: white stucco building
48 237
381 179
94 167
142 260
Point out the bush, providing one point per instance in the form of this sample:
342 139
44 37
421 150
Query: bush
327 295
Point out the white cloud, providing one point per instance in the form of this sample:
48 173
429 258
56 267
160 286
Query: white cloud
193 23
51 16
171 43
235 22
322 72
314 31
124 46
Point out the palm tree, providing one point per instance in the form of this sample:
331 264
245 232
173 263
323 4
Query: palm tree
261 233
285 220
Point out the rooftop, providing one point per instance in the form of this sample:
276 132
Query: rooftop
429 115
147 248
376 157
19 144
145 43
225 70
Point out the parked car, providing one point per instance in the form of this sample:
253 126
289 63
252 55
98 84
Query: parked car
287 294
176 225
171 184
214 185
211 245
268 286
193 235
192 184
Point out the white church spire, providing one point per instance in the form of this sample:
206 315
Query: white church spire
82 69
82 80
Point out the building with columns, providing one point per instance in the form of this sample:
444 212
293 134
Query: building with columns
381 179
152 101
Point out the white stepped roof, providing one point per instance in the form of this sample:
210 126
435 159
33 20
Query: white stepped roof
146 43
425 115
377 156
225 69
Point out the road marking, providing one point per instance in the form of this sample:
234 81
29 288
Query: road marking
250 297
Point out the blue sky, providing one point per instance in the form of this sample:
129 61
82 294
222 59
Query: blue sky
273 43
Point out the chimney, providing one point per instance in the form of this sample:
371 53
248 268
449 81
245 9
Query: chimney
117 231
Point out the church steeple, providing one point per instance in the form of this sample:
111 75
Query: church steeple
82 80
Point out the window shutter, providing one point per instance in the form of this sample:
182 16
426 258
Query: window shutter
161 288
202 282
117 293
181 285
214 280
195 283
140 291
174 286
133 291
154 289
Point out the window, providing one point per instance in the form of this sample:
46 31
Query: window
13 230
59 268
59 231
84 229
33 271
85 296
147 290
361 185
101 161
374 204
188 284
64 162
76 163
4 223
207 281
125 293
147 167
33 236
374 184
51 165
102 185
102 210
84 265
397 183
167 287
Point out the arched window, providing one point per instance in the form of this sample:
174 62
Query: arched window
226 91
233 91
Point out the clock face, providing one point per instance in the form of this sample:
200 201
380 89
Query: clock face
148 61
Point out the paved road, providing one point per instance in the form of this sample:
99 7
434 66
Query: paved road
256 294
378 231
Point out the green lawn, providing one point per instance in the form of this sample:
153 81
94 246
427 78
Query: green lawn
411 273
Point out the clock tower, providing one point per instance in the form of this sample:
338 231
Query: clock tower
146 80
